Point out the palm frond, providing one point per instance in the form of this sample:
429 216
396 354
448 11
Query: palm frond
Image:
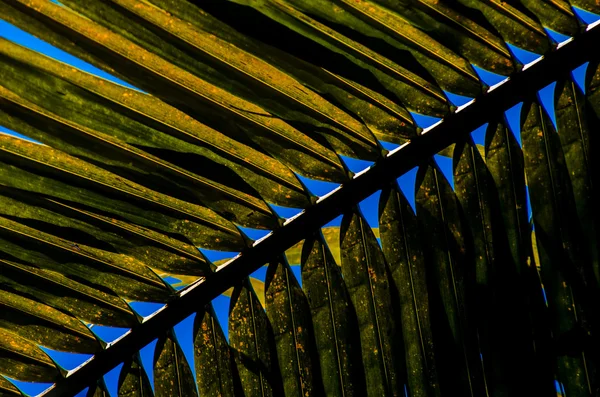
236 104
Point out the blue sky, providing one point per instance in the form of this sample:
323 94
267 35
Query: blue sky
368 206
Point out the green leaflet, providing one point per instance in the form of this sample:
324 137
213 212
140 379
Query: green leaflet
454 337
346 57
49 247
386 119
366 276
419 95
588 5
44 325
592 116
574 134
22 360
123 275
42 170
68 121
146 123
289 315
116 201
562 263
252 343
450 71
133 381
236 71
7 389
472 185
133 164
213 105
493 306
592 86
83 227
403 251
172 374
504 161
215 374
514 26
334 320
53 289
456 31
554 14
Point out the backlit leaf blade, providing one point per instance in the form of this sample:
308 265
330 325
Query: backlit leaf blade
450 71
346 57
386 119
133 381
334 320
240 73
172 373
493 306
148 124
514 26
22 360
134 164
592 116
401 246
7 389
574 134
504 161
459 32
555 14
62 117
102 232
587 5
289 315
213 105
94 267
214 362
561 262
457 357
44 325
252 343
366 276
61 177
53 289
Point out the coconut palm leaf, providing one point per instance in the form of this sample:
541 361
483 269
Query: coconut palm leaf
514 26
213 359
253 344
563 265
572 128
367 278
229 107
172 373
450 268
133 382
404 253
505 164
289 314
334 320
